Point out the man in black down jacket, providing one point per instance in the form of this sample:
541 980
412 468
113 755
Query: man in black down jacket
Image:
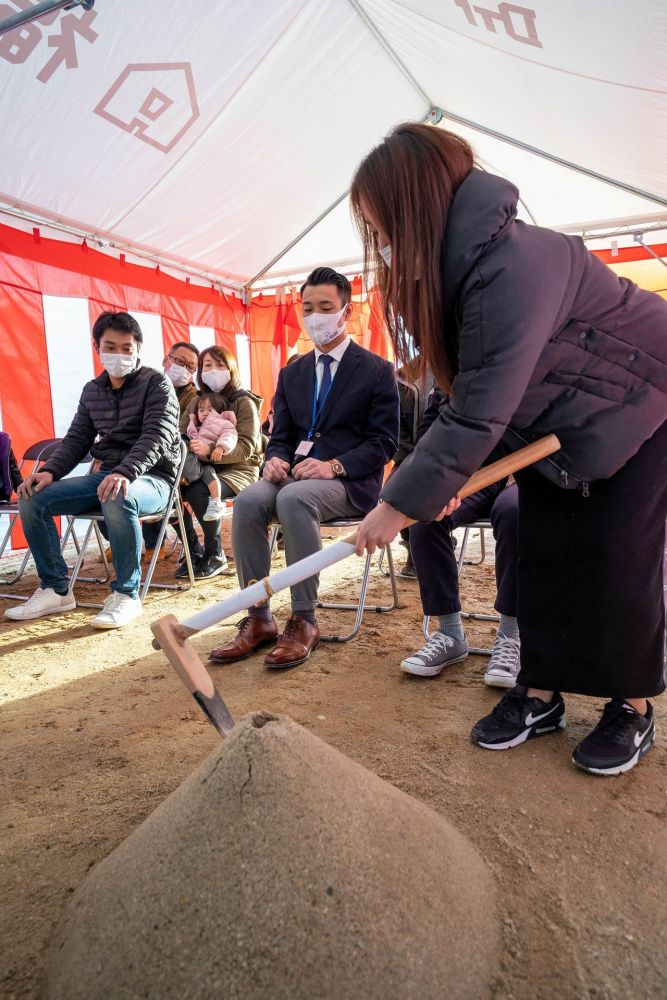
127 419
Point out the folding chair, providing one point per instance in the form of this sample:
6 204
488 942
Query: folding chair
481 526
360 606
36 453
173 508
46 449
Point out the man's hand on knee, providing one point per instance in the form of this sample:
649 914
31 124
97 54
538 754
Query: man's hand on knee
312 468
112 486
276 470
33 484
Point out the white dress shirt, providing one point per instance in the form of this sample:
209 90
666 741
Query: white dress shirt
336 354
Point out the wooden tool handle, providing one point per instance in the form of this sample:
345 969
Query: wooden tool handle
173 637
509 464
502 469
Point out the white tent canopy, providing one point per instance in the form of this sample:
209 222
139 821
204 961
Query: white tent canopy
214 134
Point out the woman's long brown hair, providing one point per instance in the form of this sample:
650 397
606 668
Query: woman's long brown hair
407 183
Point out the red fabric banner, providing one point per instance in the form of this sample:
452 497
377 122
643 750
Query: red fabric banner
25 390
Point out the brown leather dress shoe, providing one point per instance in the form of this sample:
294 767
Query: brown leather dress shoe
295 645
253 633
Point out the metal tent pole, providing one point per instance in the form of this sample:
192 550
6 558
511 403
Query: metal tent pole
639 238
437 114
38 10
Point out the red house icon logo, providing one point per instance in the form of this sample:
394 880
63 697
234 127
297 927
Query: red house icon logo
156 102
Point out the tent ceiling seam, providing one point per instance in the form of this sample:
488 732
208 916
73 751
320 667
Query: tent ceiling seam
215 118
382 41
391 52
660 91
297 239
393 55
439 112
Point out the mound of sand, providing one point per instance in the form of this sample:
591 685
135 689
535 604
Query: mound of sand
282 870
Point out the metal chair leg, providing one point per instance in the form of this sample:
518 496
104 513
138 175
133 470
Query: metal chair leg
464 546
82 552
8 533
8 581
82 579
360 607
148 580
460 563
101 544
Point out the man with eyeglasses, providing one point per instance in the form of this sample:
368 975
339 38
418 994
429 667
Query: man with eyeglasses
180 366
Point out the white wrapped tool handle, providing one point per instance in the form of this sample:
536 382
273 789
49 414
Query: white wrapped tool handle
264 589
318 561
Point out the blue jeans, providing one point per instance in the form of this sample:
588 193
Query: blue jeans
78 495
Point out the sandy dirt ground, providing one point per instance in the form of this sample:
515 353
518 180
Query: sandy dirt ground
95 730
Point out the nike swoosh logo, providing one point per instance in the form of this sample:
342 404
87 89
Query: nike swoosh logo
638 738
532 719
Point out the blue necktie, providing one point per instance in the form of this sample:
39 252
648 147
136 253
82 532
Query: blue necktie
325 384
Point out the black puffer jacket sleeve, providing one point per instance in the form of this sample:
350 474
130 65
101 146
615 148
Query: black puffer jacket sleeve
160 424
508 309
74 446
435 400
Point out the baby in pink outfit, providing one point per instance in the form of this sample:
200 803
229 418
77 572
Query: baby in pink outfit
217 429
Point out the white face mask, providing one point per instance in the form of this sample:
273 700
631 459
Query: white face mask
385 253
216 379
322 328
119 365
179 375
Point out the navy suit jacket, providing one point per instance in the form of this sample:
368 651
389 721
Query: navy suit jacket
358 423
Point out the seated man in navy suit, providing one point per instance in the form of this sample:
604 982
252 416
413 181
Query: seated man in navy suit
335 426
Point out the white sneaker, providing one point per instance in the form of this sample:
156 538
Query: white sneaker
504 663
42 603
214 510
118 610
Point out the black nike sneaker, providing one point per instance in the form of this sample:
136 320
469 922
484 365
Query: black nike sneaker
618 742
517 718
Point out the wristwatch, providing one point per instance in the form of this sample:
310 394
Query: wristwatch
337 467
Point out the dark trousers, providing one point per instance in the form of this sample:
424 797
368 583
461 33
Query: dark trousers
591 580
197 496
150 531
435 562
192 471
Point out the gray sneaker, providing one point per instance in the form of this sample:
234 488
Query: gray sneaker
440 651
504 663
